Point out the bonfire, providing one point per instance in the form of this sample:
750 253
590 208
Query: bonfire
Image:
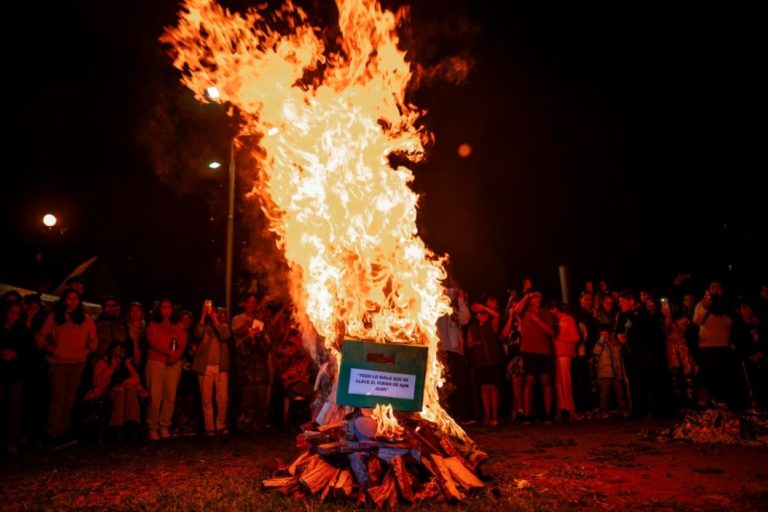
335 138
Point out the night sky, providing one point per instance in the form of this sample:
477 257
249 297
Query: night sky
615 139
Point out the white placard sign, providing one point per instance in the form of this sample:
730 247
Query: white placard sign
378 383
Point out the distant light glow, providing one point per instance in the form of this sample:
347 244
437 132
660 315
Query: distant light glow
465 150
214 165
213 93
50 220
272 131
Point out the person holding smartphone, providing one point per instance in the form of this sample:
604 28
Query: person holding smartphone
212 365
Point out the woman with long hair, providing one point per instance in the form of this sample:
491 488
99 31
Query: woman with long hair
167 340
68 336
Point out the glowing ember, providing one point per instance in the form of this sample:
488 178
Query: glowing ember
330 114
387 425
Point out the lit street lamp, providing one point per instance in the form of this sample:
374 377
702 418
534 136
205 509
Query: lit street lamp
49 220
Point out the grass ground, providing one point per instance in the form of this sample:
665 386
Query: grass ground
580 466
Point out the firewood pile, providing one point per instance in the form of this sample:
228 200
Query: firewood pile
717 425
347 460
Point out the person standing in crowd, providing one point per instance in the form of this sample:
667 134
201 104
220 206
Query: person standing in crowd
537 329
33 312
77 284
680 363
750 342
212 364
252 347
510 336
36 388
109 326
69 337
610 372
720 373
606 315
137 336
187 418
566 342
588 335
633 330
486 357
450 332
167 341
294 371
15 345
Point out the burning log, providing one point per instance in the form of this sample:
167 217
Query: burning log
403 479
283 481
343 485
330 485
360 470
374 470
383 493
463 476
443 475
317 474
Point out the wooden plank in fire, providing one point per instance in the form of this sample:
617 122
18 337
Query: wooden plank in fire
374 470
316 437
317 475
463 476
343 484
387 454
444 477
446 445
330 426
329 448
384 493
329 486
282 481
300 462
403 479
360 470
430 490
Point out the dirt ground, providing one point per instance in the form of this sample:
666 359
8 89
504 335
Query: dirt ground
579 466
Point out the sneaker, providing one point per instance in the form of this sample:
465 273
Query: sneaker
210 433
493 423
224 432
153 435
164 434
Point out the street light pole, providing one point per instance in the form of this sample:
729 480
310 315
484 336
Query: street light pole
230 230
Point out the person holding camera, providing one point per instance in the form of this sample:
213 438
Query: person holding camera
212 365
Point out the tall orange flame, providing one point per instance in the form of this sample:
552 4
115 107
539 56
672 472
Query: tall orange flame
330 118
